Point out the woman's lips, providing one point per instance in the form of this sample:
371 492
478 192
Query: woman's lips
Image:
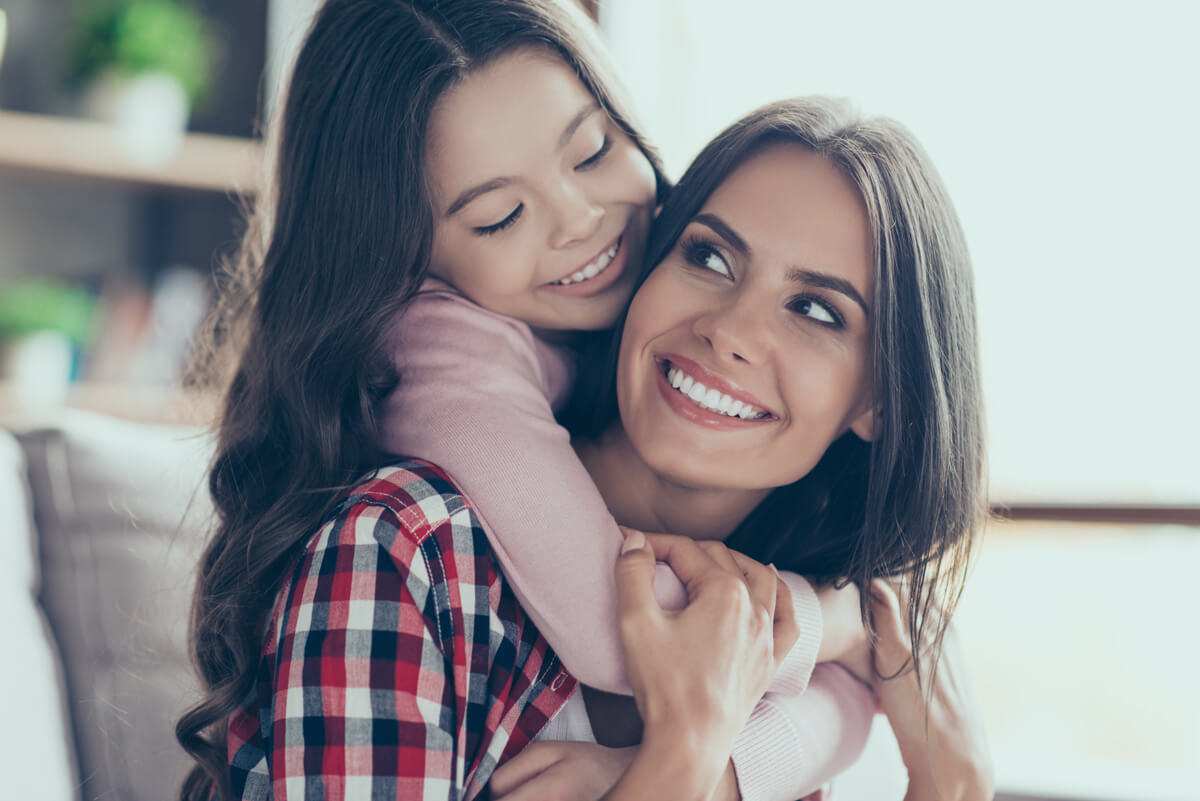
711 380
599 282
688 410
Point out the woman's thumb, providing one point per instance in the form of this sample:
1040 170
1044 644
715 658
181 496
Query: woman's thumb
635 574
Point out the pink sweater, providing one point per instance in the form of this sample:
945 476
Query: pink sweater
477 397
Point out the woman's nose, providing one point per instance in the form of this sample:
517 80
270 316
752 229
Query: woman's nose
736 331
578 218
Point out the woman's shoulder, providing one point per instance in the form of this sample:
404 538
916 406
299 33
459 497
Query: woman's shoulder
413 496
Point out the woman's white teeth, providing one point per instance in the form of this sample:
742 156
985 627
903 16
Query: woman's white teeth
711 399
592 270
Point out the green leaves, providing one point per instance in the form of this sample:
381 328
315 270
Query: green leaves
133 37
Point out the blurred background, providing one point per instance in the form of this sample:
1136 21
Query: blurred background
129 134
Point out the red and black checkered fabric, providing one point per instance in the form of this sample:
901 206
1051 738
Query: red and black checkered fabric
398 664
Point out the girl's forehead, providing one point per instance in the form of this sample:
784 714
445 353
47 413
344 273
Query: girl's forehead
505 120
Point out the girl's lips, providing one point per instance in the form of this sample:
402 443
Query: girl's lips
711 380
689 411
602 280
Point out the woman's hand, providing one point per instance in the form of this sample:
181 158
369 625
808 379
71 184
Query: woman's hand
942 742
698 672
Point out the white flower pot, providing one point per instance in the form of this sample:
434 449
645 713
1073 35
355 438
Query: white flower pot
150 112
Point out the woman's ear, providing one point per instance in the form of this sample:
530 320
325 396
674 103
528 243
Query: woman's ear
863 426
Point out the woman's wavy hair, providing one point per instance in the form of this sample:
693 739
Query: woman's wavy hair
336 245
911 503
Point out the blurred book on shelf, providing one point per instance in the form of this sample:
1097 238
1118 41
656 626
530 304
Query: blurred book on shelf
115 345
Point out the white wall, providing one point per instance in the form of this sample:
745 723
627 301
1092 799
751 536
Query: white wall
1065 131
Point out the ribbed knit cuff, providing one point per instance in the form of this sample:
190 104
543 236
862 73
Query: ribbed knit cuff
761 774
797 667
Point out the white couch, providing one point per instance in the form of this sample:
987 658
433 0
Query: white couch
95 577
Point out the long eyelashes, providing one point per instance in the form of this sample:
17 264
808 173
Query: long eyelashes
488 230
702 254
705 255
597 157
827 314
587 164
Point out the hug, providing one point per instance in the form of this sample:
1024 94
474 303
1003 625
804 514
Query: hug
539 477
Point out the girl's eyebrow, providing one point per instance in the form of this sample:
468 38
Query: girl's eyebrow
498 183
794 274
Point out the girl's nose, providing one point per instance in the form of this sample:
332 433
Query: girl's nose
578 219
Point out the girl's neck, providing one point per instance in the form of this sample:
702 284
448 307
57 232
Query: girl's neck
640 498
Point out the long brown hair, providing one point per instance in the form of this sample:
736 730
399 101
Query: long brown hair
910 503
336 246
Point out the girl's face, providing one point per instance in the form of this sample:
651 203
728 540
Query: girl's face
541 202
746 353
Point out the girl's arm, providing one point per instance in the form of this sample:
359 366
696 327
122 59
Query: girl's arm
826 729
795 744
476 396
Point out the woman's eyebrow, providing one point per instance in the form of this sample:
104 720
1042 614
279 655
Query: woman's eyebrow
794 274
723 229
498 183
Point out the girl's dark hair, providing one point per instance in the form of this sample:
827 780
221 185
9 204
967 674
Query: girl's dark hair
911 502
336 245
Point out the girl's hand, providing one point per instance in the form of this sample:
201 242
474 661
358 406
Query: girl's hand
576 772
562 771
942 742
697 673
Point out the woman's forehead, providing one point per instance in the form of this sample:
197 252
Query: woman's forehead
792 205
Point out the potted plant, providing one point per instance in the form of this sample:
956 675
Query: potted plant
142 65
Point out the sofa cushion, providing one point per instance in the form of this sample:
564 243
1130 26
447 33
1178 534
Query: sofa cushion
121 514
37 757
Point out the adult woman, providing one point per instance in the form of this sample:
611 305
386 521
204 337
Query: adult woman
809 266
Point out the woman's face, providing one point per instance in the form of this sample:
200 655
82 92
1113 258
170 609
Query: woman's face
541 202
746 353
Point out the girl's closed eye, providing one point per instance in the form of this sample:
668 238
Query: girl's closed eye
817 310
702 254
594 159
489 230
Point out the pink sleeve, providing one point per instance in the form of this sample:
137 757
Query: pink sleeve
792 745
474 399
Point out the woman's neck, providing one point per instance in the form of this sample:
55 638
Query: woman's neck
640 498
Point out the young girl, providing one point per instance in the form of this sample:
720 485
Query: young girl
360 210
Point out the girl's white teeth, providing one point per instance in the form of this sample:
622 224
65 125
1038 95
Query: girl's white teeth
593 269
711 399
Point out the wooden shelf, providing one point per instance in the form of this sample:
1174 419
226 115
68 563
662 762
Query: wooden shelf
89 149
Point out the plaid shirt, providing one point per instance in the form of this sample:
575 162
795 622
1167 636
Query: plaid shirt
398 663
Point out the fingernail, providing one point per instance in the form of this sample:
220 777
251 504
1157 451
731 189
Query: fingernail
633 541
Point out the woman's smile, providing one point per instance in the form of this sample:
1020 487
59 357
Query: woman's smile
703 397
